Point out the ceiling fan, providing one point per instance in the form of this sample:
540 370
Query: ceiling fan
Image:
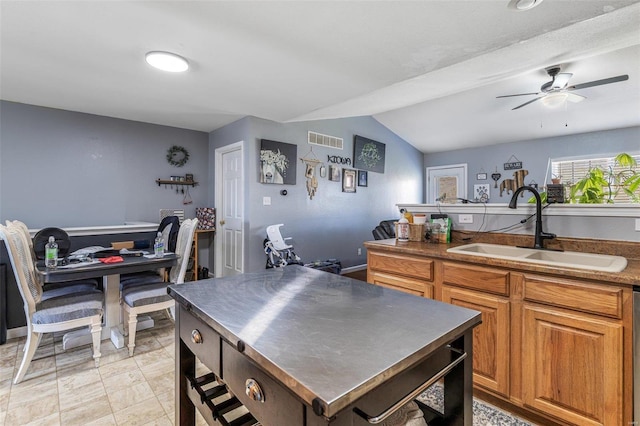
556 91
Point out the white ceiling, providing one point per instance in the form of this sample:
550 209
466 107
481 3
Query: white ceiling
428 70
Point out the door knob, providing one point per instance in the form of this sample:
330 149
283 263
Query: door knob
222 222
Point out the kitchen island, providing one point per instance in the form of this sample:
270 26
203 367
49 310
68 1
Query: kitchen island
297 346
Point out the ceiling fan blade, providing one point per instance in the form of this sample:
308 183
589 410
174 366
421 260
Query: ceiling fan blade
526 103
519 94
573 97
599 82
561 80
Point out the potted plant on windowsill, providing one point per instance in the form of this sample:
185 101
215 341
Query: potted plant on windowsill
602 185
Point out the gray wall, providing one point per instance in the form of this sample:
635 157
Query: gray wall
333 224
66 169
534 155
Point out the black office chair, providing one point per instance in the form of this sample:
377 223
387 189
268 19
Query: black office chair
386 229
64 246
42 238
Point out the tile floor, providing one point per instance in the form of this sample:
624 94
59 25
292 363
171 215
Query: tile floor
65 388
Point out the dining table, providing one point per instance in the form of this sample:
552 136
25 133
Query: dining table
110 274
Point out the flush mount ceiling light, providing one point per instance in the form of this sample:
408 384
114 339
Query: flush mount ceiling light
554 100
166 61
523 4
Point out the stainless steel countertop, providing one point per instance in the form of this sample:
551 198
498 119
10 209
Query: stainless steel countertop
323 335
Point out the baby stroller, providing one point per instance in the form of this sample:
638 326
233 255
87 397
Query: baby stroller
278 253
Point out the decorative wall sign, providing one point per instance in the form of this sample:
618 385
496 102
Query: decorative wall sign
336 159
496 177
348 180
362 178
513 165
368 154
481 192
510 185
481 176
323 171
277 162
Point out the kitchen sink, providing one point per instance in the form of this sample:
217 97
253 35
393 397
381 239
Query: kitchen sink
569 259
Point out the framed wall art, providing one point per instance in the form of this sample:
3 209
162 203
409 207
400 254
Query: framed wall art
368 154
278 162
348 180
334 173
362 178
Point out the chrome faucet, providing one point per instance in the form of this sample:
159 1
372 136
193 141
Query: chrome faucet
540 235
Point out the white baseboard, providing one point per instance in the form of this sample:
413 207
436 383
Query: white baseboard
353 269
14 333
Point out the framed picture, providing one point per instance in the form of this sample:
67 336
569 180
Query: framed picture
278 162
362 178
348 180
334 173
481 176
446 184
368 154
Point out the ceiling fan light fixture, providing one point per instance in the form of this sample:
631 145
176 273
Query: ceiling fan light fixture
554 100
523 5
167 61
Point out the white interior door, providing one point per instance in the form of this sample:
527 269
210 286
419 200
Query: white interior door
446 183
229 210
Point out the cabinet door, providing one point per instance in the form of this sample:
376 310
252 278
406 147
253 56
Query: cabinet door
490 339
408 285
572 366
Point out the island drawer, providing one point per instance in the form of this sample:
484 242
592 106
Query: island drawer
279 406
412 266
476 278
201 340
576 295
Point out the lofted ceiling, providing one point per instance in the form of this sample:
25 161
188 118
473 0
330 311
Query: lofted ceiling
428 70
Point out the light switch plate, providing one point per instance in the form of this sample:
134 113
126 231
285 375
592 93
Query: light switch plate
637 224
266 201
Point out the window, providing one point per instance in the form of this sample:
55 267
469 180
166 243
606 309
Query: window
573 170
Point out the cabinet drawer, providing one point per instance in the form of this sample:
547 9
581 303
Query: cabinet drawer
208 350
477 278
412 266
279 407
409 285
576 295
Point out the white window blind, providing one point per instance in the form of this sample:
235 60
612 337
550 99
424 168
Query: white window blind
571 171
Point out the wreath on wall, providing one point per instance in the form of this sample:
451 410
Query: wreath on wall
177 156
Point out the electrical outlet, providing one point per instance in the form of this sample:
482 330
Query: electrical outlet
266 201
359 251
465 218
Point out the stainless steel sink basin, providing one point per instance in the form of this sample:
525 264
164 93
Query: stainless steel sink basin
569 259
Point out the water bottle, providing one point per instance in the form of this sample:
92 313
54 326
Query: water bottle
158 246
51 253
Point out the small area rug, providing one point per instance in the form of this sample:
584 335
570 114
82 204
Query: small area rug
483 414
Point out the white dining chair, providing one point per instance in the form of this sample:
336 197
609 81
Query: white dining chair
51 311
144 296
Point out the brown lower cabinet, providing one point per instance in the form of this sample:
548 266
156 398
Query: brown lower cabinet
558 348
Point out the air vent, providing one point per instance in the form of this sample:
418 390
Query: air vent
171 212
326 140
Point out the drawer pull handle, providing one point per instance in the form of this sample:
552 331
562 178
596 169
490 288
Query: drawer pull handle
253 390
196 337
374 420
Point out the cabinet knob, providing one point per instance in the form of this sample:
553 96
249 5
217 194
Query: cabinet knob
253 390
196 337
